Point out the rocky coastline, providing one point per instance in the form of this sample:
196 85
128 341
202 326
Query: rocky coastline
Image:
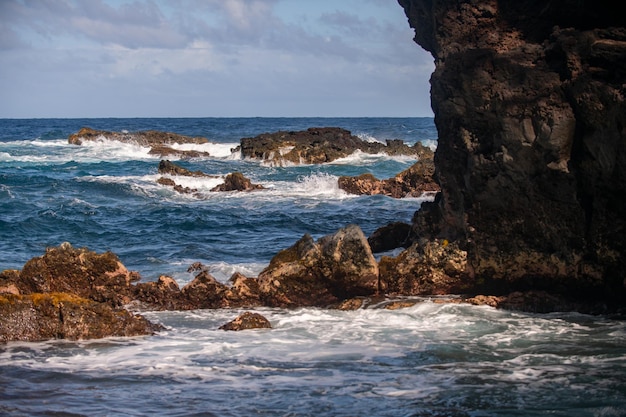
529 176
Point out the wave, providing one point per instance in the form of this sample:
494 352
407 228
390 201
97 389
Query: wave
360 158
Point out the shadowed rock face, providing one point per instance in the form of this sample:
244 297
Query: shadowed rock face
529 103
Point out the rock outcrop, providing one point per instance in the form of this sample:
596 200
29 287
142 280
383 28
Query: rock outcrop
160 143
37 316
412 182
318 145
236 181
529 103
322 273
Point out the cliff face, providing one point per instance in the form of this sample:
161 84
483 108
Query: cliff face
529 102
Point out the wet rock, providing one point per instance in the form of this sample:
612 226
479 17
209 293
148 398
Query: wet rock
322 273
204 292
36 317
391 236
530 110
426 268
317 145
157 141
247 321
237 182
350 305
168 182
168 167
412 182
164 294
99 277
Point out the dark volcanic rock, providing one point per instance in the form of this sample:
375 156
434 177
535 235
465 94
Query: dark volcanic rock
247 321
321 273
318 145
412 182
391 236
157 141
529 103
37 316
237 182
168 167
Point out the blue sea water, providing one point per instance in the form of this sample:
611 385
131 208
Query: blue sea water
428 360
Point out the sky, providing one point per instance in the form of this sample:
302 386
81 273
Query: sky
210 58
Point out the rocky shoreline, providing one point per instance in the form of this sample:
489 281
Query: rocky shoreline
529 175
74 293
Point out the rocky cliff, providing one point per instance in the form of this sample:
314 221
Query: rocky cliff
528 98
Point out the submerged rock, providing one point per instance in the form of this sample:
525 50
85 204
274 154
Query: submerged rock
247 321
317 145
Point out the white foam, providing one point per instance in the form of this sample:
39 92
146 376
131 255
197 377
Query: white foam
360 158
216 150
368 138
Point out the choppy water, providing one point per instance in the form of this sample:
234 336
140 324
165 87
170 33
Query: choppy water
427 360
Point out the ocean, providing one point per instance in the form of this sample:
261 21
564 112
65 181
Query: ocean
428 360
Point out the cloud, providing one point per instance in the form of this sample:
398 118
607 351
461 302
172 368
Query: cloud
209 57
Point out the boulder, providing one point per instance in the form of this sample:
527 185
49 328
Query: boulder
322 273
317 145
237 182
247 321
37 316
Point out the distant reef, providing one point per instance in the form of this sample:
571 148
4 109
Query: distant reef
529 103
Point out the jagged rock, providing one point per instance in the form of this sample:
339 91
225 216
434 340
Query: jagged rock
36 317
412 182
204 292
99 277
164 150
426 268
164 294
247 321
530 108
156 140
391 236
322 273
177 187
168 167
146 138
237 182
317 145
